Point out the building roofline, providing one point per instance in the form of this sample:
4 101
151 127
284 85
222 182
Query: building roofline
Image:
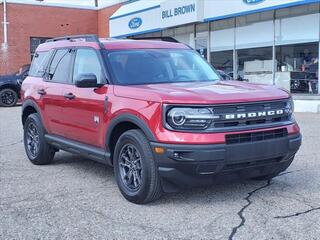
46 4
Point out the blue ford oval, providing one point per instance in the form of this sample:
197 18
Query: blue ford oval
135 23
253 1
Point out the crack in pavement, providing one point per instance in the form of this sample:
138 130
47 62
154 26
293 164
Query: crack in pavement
11 144
240 213
289 172
298 213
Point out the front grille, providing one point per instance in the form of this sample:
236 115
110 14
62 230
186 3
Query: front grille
249 122
256 136
237 166
249 115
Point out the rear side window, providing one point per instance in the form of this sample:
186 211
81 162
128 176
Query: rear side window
59 70
39 64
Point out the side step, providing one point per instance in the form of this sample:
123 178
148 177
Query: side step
94 153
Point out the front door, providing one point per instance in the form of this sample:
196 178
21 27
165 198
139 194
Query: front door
84 110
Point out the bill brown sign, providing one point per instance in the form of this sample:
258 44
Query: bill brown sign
181 12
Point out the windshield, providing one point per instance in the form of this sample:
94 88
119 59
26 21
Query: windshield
150 66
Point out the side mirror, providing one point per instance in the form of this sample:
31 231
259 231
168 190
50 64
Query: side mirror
87 80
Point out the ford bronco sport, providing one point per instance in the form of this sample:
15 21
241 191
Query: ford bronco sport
155 111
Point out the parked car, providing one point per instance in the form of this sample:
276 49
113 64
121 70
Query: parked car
10 87
155 111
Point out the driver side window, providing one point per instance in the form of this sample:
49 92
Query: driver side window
87 62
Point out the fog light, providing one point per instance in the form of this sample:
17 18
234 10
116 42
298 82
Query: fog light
176 155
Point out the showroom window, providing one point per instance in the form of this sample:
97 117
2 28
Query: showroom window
146 35
222 45
297 48
184 34
254 51
201 40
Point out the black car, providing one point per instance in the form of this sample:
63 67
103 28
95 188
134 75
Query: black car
10 87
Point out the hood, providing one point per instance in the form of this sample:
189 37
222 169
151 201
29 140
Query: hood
202 92
5 78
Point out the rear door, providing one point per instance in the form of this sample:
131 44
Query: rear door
84 112
57 77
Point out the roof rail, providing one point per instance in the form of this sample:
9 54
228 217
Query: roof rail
165 39
87 37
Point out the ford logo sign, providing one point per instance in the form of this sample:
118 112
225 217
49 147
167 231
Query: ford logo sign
253 1
135 23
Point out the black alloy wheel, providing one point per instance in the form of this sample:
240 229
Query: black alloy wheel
33 142
130 167
8 98
37 149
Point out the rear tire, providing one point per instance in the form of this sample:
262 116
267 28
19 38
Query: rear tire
135 169
8 97
37 149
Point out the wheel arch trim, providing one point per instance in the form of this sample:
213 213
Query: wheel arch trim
10 86
31 103
132 119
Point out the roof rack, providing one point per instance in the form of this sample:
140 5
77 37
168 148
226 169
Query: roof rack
87 37
165 39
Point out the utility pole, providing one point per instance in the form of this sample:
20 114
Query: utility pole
5 24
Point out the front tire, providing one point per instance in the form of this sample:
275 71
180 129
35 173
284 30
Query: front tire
135 169
8 97
37 149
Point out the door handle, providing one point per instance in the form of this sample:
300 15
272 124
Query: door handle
69 96
42 92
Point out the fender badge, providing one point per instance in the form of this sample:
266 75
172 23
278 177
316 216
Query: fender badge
96 119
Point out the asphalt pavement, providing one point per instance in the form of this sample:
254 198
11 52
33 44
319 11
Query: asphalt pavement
75 198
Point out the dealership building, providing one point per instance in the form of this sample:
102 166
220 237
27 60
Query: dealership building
260 41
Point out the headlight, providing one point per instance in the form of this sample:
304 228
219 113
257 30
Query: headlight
290 109
290 106
189 118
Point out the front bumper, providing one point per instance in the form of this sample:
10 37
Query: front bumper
182 165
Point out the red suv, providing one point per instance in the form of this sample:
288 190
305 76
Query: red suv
155 111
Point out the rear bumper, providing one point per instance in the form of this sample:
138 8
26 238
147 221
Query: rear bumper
192 165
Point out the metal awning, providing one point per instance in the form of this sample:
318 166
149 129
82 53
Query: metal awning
136 7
